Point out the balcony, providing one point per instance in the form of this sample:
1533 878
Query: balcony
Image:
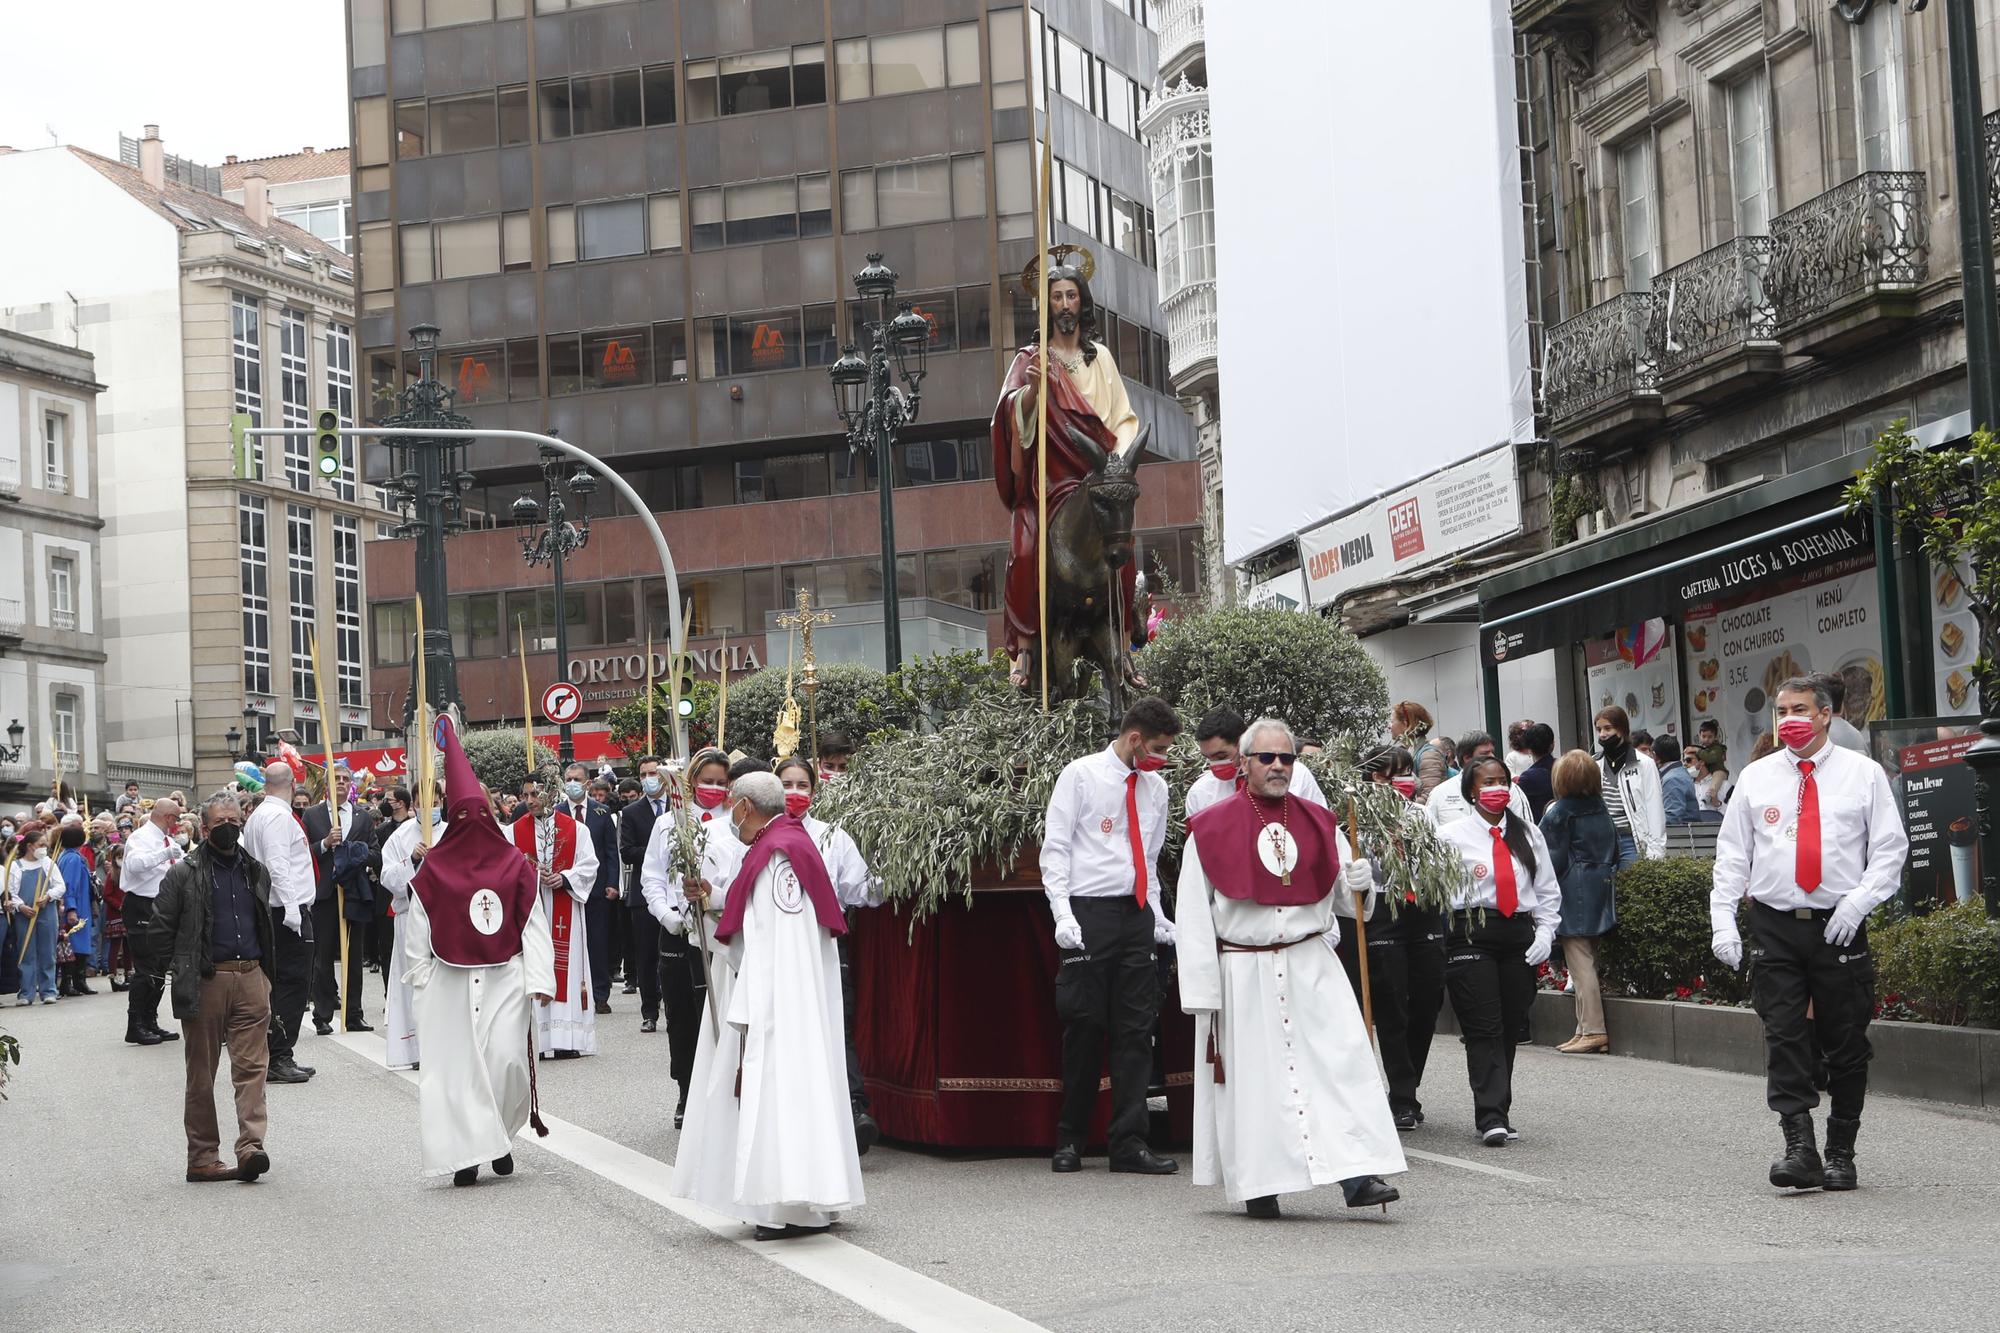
1845 266
1180 35
55 482
12 624
1600 374
10 479
1714 323
63 620
1191 333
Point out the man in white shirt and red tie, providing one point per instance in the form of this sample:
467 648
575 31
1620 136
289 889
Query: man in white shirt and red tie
1106 823
566 869
1813 838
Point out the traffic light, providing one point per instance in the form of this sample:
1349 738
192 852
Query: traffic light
326 441
683 682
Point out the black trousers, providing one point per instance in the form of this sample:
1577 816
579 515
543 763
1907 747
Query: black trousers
1108 989
620 948
683 992
597 910
1791 964
857 1093
644 962
1406 977
142 996
1492 987
326 979
382 935
291 981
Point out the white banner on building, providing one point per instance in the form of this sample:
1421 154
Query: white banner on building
1442 515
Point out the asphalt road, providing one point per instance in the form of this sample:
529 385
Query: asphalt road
1635 1200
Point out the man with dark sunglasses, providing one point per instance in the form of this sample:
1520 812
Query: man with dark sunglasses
1217 734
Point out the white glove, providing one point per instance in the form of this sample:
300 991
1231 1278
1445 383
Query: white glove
1069 935
294 922
1164 932
1727 946
1359 876
1538 952
1847 917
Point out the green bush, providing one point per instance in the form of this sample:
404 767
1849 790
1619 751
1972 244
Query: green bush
852 698
1305 669
1660 949
500 760
1940 968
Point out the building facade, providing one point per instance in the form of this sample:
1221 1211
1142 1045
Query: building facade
51 624
313 189
636 225
220 567
1746 264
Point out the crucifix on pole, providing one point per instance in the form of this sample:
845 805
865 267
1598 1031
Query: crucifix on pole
803 621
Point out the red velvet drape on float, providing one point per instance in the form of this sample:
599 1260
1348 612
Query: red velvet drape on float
960 1045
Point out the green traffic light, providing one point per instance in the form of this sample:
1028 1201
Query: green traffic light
687 708
329 465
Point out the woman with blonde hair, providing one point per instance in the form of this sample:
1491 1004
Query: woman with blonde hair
1584 850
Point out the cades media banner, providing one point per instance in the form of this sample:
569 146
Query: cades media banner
1442 515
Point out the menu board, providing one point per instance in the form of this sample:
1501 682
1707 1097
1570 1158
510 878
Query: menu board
1737 653
1925 759
1638 670
1954 638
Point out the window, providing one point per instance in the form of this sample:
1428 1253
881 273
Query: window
908 192
754 81
304 604
705 209
1635 207
329 221
1124 223
975 317
55 452
64 709
414 240
620 359
347 609
968 186
62 592
292 396
961 54
606 231
907 62
822 336
1079 197
478 374
809 75
857 200
786 477
467 247
463 124
246 360
601 103
941 313
1073 73
254 556
670 353
850 65
656 84
340 397
514 120
562 234
764 342
1883 132
394 625
1121 102
1013 184
449 13
1010 74
971 579
517 247
565 364
815 206
552 96
524 369
762 211
1749 155
413 128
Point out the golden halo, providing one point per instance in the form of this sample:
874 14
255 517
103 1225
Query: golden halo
1085 265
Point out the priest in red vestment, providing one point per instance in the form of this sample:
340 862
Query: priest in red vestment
566 871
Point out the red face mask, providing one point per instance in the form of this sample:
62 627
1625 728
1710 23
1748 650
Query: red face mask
1150 763
1225 771
1407 786
708 796
796 802
1796 732
1493 799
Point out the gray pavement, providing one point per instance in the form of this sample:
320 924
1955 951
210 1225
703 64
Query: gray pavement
1635 1200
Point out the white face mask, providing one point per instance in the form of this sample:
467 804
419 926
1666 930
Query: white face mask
736 827
181 838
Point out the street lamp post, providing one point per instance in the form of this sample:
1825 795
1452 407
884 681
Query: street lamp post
231 736
427 480
554 541
874 409
250 732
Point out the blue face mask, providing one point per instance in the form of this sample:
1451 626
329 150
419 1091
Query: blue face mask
573 790
650 785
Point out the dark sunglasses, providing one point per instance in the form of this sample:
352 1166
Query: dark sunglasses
1273 756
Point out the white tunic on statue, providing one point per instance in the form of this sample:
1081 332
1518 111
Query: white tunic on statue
400 1027
1301 1103
473 1092
783 1152
569 1023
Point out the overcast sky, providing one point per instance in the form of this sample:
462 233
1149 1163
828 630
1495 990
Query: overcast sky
249 77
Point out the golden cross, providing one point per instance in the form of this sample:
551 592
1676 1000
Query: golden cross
803 621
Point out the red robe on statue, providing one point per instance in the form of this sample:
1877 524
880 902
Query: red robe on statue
1015 473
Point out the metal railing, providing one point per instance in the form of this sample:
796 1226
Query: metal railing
1714 303
12 620
1192 327
55 481
1180 29
10 476
59 619
1869 233
1604 353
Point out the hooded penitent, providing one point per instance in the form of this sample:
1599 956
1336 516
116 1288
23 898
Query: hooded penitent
476 887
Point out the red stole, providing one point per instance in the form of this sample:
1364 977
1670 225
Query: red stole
1226 836
788 835
562 906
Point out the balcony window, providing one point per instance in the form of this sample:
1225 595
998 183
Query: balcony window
1750 154
1636 214
1881 126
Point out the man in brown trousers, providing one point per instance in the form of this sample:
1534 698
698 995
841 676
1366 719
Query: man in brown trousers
212 930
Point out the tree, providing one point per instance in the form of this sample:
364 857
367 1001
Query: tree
499 758
1305 669
1950 499
852 698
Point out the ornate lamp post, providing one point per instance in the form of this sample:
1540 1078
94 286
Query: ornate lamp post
427 481
10 753
558 538
251 729
875 409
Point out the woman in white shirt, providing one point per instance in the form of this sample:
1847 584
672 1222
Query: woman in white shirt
1503 923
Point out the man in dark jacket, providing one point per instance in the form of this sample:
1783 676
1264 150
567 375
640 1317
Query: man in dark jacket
342 857
1535 780
635 830
595 816
211 929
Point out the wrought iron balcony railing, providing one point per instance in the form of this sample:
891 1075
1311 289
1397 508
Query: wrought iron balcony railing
1192 328
1869 234
11 621
1714 303
1180 31
1601 355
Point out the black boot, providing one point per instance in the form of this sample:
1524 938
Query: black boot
1839 1173
504 1166
465 1175
1800 1167
681 1109
1264 1206
138 1036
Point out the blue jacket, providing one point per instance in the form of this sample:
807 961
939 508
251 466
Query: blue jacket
1584 853
1677 791
603 839
75 872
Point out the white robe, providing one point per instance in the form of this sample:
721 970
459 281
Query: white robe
569 1023
473 1091
782 1152
1301 1103
399 1028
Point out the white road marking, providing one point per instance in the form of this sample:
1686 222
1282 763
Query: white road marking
882 1288
1481 1167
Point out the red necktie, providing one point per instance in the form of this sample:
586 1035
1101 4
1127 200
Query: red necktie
1808 875
1138 843
1506 897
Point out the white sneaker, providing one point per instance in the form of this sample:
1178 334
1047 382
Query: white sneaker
1495 1137
1512 1133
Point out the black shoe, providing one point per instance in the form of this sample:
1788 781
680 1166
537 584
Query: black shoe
1264 1206
681 1109
604 1006
1839 1174
1406 1121
138 1036
1800 1167
866 1131
253 1166
786 1232
465 1175
120 987
504 1166
359 1025
649 1025
630 990
1144 1162
307 1070
286 1072
163 1034
569 1055
82 988
1065 1159
322 1027
1369 1191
